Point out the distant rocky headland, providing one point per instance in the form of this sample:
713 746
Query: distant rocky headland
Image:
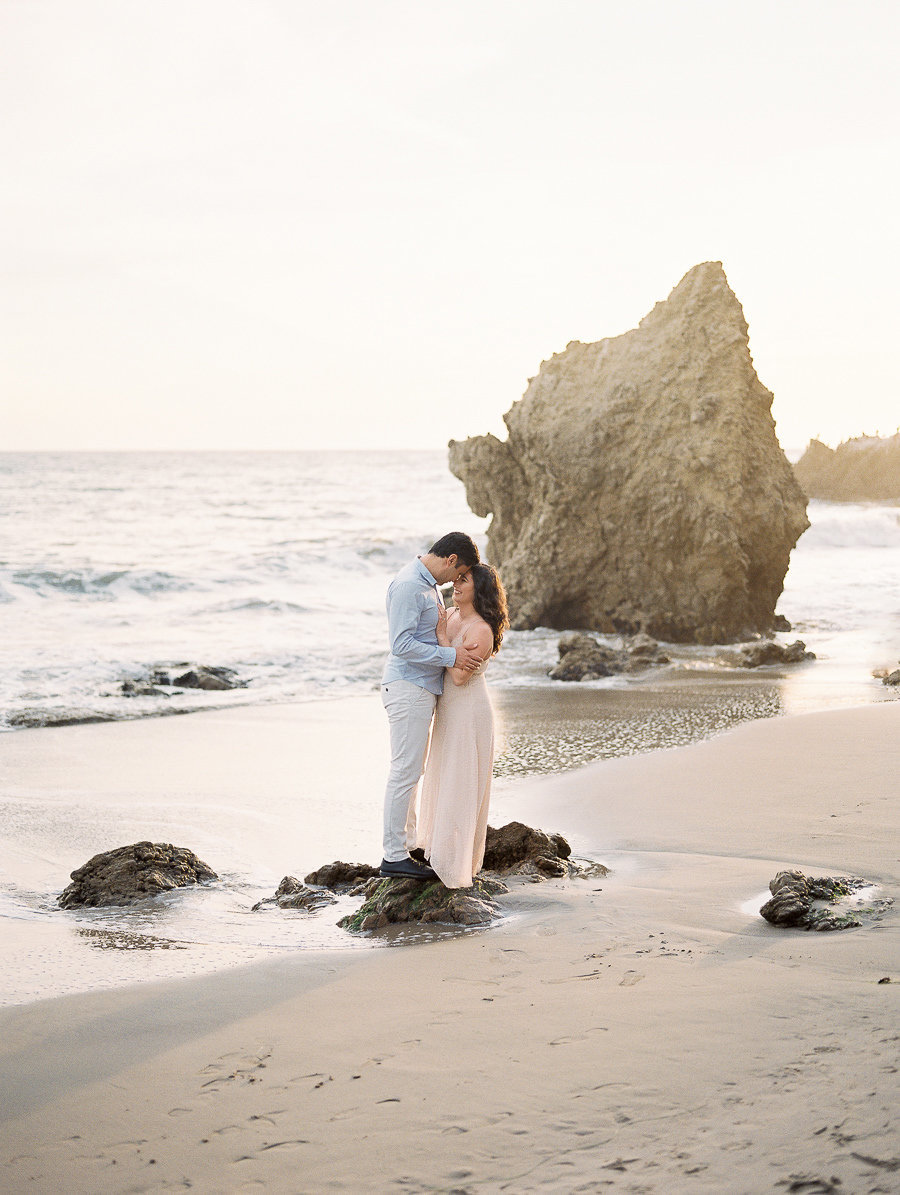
641 487
865 469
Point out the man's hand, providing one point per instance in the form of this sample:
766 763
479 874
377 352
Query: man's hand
467 658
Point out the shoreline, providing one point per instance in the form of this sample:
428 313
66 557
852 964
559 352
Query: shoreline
256 791
639 1032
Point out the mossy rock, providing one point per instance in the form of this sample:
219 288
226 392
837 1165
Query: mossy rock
397 900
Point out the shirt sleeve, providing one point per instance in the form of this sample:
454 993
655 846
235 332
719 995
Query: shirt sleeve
404 608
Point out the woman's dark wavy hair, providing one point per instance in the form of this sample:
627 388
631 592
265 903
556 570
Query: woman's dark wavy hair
490 600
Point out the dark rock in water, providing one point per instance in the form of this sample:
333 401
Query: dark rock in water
350 879
210 678
34 718
517 847
767 651
131 873
514 849
891 678
341 876
812 902
142 688
641 485
642 651
780 623
394 900
582 657
291 894
162 679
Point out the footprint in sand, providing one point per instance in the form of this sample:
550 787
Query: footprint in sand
346 1114
629 979
575 978
296 1143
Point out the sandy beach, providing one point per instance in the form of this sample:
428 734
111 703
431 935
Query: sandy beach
644 1032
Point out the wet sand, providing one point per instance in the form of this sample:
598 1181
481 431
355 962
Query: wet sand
264 791
645 1032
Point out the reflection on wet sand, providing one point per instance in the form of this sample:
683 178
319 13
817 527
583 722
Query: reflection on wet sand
545 731
109 939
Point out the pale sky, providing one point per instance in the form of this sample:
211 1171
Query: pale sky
364 223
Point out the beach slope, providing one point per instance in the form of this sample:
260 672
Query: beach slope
642 1032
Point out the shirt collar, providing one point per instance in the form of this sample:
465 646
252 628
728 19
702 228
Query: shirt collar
424 573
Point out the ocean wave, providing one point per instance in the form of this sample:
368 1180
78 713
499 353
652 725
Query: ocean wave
95 582
255 604
852 525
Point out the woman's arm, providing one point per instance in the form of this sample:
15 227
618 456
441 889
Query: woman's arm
481 638
442 630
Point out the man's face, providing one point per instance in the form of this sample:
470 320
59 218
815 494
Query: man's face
451 569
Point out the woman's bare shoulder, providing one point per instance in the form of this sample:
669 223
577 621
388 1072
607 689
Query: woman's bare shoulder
480 631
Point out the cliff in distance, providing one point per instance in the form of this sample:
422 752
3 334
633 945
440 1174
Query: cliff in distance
641 486
866 469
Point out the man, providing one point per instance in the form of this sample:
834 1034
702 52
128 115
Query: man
412 682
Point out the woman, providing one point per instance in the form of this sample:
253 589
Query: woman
456 787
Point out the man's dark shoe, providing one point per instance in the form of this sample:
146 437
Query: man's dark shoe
418 854
409 869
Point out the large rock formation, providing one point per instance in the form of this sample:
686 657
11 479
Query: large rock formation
866 469
642 486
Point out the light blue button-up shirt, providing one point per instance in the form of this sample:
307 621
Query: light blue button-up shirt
412 610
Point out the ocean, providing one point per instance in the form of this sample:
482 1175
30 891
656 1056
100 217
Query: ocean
275 565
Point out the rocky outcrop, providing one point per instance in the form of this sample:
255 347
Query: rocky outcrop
641 486
162 680
55 716
819 902
583 657
865 469
887 676
394 901
318 888
342 876
131 873
515 846
519 850
767 651
291 894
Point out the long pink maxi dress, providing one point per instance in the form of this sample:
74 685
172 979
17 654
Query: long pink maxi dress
456 786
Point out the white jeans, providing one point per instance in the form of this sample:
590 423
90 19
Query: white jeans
409 709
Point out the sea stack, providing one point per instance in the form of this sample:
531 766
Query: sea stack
642 486
865 469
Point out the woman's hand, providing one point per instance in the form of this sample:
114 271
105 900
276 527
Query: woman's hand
443 637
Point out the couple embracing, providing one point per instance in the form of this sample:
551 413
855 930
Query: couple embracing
435 671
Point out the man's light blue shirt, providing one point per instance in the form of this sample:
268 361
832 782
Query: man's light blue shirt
412 610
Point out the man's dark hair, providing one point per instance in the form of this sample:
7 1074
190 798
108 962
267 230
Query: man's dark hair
457 543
